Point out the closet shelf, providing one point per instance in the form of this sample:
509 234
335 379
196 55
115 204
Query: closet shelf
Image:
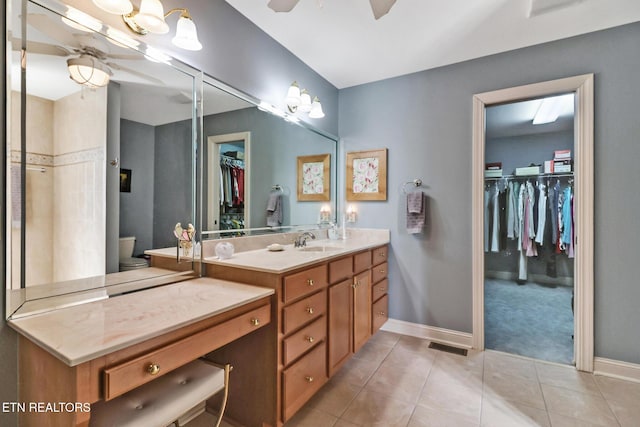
542 175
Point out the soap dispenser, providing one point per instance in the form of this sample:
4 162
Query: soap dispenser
332 232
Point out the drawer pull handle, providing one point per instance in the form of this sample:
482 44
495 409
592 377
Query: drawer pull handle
381 271
381 313
153 369
255 321
382 254
356 284
310 339
309 310
308 379
310 282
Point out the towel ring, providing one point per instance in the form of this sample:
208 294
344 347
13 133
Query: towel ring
416 183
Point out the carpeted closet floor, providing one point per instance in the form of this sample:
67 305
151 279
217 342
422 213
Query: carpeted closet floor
531 320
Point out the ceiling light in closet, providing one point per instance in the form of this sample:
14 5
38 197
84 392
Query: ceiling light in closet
553 107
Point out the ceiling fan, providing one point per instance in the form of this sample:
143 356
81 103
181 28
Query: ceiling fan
379 7
83 50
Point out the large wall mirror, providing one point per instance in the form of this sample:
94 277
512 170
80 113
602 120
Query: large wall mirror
250 159
98 173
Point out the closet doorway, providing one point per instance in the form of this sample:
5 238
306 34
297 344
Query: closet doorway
515 264
228 188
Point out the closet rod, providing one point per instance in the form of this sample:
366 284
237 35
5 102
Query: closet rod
542 175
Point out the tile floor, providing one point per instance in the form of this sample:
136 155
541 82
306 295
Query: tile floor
396 380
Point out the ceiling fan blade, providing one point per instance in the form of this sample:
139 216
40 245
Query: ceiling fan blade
381 7
282 5
41 48
124 56
50 28
136 73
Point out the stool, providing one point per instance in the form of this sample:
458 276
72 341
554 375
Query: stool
163 401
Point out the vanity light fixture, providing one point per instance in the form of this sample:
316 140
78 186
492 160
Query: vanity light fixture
89 71
300 101
150 18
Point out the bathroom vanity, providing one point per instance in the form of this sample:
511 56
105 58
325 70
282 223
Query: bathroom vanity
102 349
329 298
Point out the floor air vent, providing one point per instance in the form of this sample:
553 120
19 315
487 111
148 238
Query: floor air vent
448 348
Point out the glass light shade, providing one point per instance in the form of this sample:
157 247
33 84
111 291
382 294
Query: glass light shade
118 7
293 97
88 71
316 109
186 35
151 17
305 101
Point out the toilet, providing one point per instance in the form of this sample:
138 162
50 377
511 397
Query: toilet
127 261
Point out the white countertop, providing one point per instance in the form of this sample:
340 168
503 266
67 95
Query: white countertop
316 251
87 331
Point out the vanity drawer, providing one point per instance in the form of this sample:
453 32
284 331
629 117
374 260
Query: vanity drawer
380 255
379 272
361 261
303 379
303 283
304 339
340 269
380 313
302 312
126 376
379 289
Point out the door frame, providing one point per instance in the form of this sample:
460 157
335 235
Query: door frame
213 164
582 86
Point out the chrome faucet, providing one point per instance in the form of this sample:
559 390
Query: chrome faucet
301 240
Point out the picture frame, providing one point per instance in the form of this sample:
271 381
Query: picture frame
366 175
313 180
125 180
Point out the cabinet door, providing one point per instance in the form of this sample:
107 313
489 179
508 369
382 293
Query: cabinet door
339 324
361 309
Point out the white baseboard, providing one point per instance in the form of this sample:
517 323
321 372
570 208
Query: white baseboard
440 335
616 369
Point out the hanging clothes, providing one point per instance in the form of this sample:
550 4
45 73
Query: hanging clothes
542 214
495 219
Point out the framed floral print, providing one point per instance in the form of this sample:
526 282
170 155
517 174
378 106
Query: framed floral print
367 175
313 178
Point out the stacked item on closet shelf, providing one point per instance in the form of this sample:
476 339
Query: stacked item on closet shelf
535 212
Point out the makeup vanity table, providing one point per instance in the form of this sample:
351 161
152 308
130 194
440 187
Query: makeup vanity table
102 349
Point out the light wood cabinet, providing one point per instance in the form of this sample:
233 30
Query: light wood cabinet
324 315
379 288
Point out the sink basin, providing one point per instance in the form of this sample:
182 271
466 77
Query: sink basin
319 248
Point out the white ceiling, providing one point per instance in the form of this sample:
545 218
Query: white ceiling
341 41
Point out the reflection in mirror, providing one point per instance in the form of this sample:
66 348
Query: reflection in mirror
251 172
90 162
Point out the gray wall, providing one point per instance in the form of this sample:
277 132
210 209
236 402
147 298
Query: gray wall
172 181
137 152
426 121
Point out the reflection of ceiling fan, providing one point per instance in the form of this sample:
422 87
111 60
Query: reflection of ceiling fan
379 7
90 66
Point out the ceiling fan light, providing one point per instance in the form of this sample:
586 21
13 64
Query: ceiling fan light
80 20
151 17
316 109
186 34
118 7
88 71
305 101
293 97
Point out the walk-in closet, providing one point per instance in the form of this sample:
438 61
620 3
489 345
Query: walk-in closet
529 228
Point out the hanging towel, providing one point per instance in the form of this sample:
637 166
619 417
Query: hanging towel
274 209
416 212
